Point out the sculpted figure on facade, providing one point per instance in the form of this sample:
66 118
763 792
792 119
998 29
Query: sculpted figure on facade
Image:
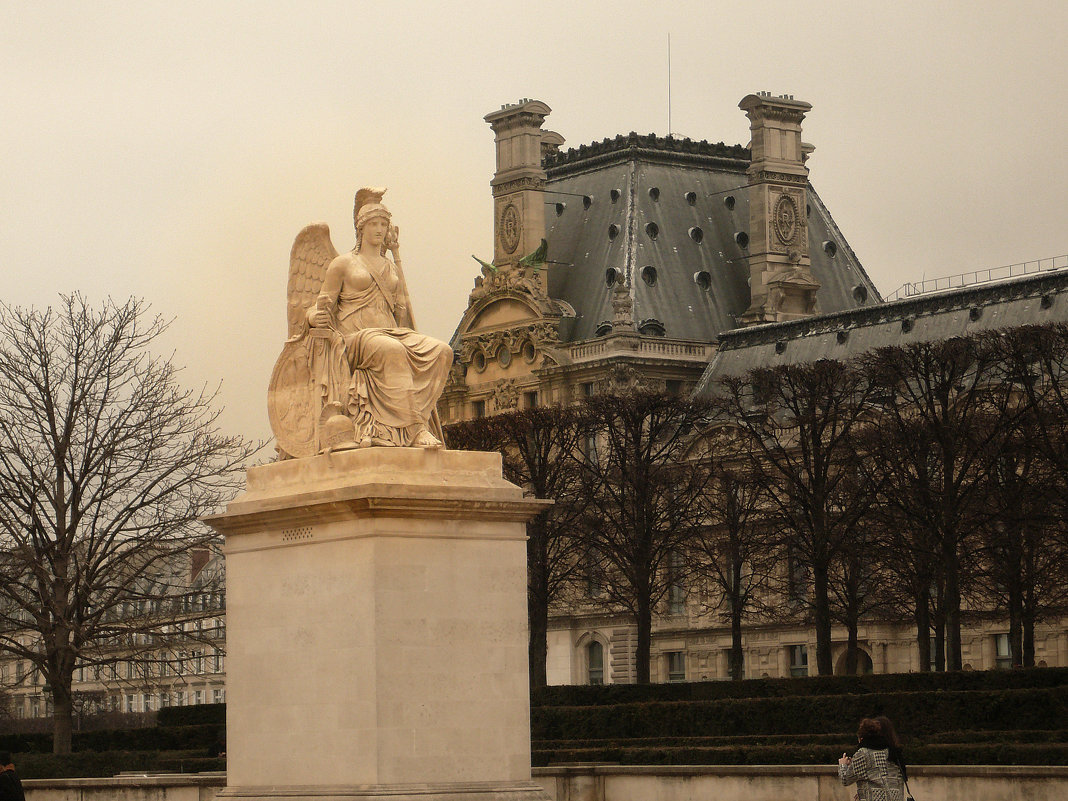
354 372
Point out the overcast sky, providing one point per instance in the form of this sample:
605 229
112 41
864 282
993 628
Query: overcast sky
173 150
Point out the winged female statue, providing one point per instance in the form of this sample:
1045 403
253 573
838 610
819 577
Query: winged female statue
354 372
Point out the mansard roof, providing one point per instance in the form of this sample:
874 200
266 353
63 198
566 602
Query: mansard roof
1028 300
665 214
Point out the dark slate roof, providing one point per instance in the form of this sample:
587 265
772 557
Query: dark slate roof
1028 300
580 211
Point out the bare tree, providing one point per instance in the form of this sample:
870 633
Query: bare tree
537 446
106 464
943 421
644 500
734 550
797 422
857 585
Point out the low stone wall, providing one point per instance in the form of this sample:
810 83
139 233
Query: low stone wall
602 782
795 782
176 787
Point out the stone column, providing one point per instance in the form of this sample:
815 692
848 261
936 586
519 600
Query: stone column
377 633
519 181
781 283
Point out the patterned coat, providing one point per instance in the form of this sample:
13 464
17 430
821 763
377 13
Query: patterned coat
876 777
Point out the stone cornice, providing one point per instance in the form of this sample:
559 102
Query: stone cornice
923 305
665 149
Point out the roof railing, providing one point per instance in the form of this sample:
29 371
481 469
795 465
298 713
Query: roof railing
913 288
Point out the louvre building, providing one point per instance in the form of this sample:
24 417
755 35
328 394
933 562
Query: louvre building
670 263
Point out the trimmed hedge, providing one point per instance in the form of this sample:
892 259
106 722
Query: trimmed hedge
695 742
916 713
609 694
972 754
171 738
841 742
191 715
88 764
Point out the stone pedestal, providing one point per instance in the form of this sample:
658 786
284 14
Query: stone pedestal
376 629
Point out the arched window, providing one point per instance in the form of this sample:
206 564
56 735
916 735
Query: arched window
595 662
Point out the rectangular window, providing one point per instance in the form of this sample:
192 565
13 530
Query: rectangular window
218 661
164 700
179 698
131 702
676 589
589 448
587 389
798 660
1003 660
146 702
595 658
673 388
198 696
530 399
479 408
198 662
676 662
216 696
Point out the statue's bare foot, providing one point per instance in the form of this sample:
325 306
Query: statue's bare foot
424 439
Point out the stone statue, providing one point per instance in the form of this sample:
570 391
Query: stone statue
354 372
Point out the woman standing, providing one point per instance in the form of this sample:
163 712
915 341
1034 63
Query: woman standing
877 767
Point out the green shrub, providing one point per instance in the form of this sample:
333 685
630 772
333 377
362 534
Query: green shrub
837 740
1014 736
203 736
915 713
191 715
89 764
26 743
970 754
609 694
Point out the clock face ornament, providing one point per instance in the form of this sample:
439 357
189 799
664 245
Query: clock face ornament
511 227
785 217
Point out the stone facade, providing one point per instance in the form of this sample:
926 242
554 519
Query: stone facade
146 672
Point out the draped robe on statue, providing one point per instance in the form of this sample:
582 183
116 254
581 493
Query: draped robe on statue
397 374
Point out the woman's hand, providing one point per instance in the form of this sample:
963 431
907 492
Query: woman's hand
844 760
319 315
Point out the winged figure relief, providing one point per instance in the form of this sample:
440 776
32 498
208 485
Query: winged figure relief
354 372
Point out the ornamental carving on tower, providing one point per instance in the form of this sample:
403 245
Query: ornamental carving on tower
511 228
787 221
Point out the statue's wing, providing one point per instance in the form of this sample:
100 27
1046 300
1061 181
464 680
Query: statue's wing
311 255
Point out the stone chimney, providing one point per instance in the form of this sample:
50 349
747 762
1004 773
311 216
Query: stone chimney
518 200
781 283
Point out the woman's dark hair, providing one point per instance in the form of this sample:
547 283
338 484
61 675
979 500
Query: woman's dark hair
869 727
886 729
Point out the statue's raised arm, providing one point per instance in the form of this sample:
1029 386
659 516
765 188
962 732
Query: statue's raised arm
354 372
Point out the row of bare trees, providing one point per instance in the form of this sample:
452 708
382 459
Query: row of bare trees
923 482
